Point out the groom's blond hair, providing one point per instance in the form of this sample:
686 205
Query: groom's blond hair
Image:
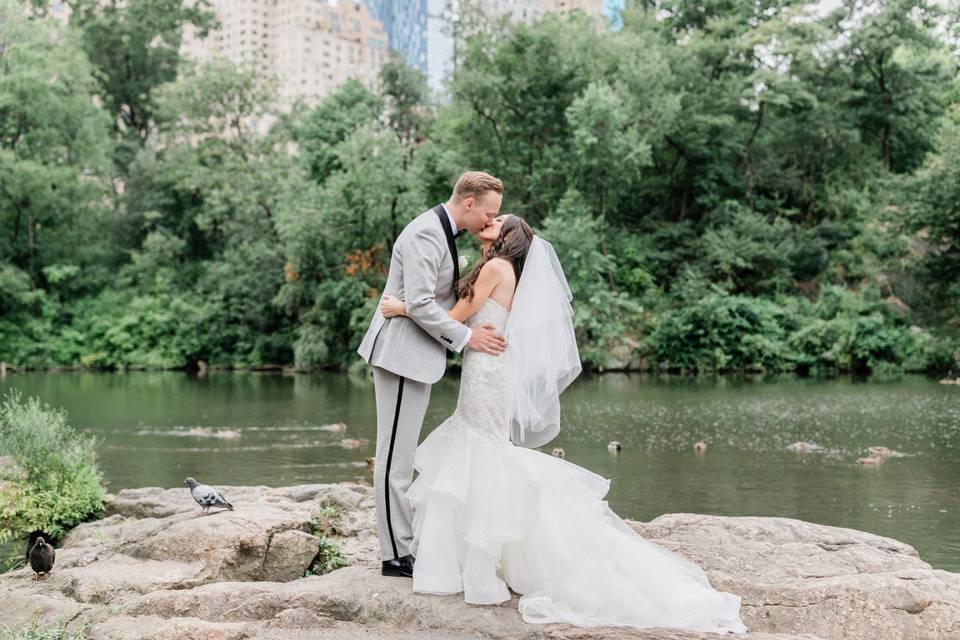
474 184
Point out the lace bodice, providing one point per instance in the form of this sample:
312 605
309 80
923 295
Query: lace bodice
484 402
490 311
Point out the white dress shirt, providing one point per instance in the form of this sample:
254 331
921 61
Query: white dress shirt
453 227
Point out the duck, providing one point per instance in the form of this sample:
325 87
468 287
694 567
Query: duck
42 556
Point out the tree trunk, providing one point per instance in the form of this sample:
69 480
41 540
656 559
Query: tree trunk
31 240
885 147
393 224
603 234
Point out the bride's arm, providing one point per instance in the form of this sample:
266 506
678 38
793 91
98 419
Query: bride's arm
492 274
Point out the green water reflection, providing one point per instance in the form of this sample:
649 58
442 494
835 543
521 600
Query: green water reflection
142 421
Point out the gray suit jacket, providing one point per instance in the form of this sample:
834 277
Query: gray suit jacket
421 273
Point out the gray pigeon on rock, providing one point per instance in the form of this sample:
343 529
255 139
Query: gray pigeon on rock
206 496
41 556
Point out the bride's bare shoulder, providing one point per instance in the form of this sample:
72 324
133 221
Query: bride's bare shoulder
500 268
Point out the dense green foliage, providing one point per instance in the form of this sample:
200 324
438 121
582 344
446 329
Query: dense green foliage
729 186
53 482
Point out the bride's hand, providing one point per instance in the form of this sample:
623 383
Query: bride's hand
391 306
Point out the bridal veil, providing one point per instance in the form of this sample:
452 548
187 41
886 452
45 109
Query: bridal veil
541 346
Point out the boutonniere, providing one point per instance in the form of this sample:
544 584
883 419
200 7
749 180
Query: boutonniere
463 261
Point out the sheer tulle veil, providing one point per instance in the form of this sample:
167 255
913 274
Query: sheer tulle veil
541 346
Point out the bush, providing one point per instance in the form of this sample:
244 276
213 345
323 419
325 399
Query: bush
746 253
844 330
851 332
723 332
53 483
326 525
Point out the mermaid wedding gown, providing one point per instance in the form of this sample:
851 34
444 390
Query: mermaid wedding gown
489 514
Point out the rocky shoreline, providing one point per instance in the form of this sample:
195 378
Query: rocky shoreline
155 569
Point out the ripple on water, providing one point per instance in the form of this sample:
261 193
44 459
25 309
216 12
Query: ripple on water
144 424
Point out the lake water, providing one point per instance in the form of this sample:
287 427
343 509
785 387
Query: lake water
154 429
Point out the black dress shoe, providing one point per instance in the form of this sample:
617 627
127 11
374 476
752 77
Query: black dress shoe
398 567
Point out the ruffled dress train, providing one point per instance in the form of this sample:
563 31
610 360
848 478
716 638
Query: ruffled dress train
489 515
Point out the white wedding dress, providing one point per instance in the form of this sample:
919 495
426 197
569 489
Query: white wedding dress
489 515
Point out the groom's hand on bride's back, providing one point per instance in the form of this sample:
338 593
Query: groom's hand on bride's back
488 339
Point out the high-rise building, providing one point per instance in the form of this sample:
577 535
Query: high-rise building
311 46
421 30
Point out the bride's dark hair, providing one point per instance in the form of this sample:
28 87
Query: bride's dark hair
512 244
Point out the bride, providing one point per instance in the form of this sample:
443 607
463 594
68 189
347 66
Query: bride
490 515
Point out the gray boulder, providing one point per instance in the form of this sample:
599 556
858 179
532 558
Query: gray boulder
156 569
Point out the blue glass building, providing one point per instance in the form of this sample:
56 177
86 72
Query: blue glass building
405 22
417 31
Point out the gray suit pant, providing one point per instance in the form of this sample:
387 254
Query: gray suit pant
401 407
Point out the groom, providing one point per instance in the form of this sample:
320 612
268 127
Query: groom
408 354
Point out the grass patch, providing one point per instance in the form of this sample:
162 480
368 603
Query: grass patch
326 525
37 631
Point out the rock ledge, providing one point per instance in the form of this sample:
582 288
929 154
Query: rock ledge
155 569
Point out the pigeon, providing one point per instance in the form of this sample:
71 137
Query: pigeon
41 556
206 496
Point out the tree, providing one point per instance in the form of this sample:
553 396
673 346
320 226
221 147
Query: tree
609 152
930 209
510 101
135 45
218 189
53 142
899 72
332 121
602 316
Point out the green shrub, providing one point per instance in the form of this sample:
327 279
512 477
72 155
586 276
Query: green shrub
722 332
850 331
325 525
329 558
746 253
53 483
844 330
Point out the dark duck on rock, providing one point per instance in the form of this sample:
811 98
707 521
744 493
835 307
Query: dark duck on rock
41 556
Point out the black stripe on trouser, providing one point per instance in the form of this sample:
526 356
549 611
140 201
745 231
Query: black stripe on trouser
386 473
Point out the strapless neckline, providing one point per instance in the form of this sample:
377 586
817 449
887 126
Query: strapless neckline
490 311
498 304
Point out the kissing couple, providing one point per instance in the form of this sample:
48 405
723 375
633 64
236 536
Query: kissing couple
489 514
